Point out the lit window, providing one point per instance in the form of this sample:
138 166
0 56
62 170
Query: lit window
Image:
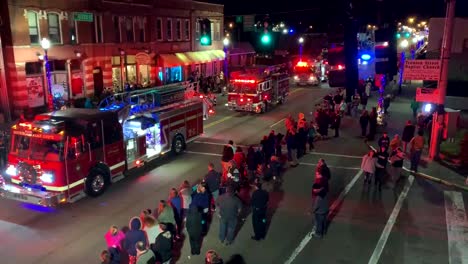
178 29
217 33
197 31
54 28
159 30
33 27
169 29
187 29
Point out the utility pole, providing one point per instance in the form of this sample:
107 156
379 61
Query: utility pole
438 117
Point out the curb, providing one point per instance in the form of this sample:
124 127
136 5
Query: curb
428 177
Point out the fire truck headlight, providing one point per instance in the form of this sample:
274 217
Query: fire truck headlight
296 77
11 170
312 78
47 177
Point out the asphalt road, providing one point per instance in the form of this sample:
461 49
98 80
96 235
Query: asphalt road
408 225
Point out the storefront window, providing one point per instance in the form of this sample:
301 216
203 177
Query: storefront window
174 74
131 74
144 75
117 78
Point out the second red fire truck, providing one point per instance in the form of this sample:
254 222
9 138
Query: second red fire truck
61 156
258 88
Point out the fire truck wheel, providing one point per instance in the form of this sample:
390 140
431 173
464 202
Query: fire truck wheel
178 145
96 183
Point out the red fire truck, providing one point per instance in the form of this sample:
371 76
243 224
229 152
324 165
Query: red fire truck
257 88
61 156
305 74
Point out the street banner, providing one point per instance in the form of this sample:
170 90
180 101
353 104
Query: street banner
425 70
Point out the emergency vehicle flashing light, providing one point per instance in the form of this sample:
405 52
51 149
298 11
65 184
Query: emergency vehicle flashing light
340 67
243 81
302 64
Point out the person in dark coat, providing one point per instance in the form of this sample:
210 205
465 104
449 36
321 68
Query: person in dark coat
228 208
408 134
259 204
201 199
291 143
162 247
320 193
227 156
194 229
279 140
176 203
364 122
380 167
372 124
337 123
322 169
213 181
252 164
384 141
134 235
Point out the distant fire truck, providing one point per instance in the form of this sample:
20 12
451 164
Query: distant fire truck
305 74
61 156
257 88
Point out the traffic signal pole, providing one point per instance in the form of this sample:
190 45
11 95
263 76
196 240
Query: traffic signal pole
439 115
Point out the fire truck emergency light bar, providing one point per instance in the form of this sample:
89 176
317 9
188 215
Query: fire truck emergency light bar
243 81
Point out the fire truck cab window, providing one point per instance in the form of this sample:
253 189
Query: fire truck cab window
75 148
37 148
112 132
94 135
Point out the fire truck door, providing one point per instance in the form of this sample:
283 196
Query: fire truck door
77 161
141 141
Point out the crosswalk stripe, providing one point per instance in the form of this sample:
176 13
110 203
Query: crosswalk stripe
457 227
390 222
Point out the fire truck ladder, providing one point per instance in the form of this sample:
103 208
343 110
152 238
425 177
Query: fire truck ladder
156 97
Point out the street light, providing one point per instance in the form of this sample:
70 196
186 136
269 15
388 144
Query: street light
45 44
226 44
301 40
411 20
404 43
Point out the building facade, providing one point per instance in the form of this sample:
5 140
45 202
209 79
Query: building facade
101 44
457 87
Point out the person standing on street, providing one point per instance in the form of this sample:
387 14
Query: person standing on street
291 142
185 193
201 199
396 161
337 123
228 207
194 229
414 107
162 247
368 166
259 203
322 169
176 203
417 145
408 134
132 236
320 193
252 163
384 141
380 166
395 143
228 154
144 255
213 181
372 124
364 122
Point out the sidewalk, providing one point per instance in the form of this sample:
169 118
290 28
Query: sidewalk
399 113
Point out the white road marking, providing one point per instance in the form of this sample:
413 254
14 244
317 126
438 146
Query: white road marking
335 167
333 207
277 123
217 144
390 222
203 153
335 155
457 227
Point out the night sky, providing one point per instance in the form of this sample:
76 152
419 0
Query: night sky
401 8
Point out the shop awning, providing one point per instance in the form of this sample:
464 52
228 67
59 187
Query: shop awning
172 60
205 56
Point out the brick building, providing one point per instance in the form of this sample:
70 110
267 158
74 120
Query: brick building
99 44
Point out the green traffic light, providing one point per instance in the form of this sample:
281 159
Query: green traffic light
204 40
398 35
266 39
